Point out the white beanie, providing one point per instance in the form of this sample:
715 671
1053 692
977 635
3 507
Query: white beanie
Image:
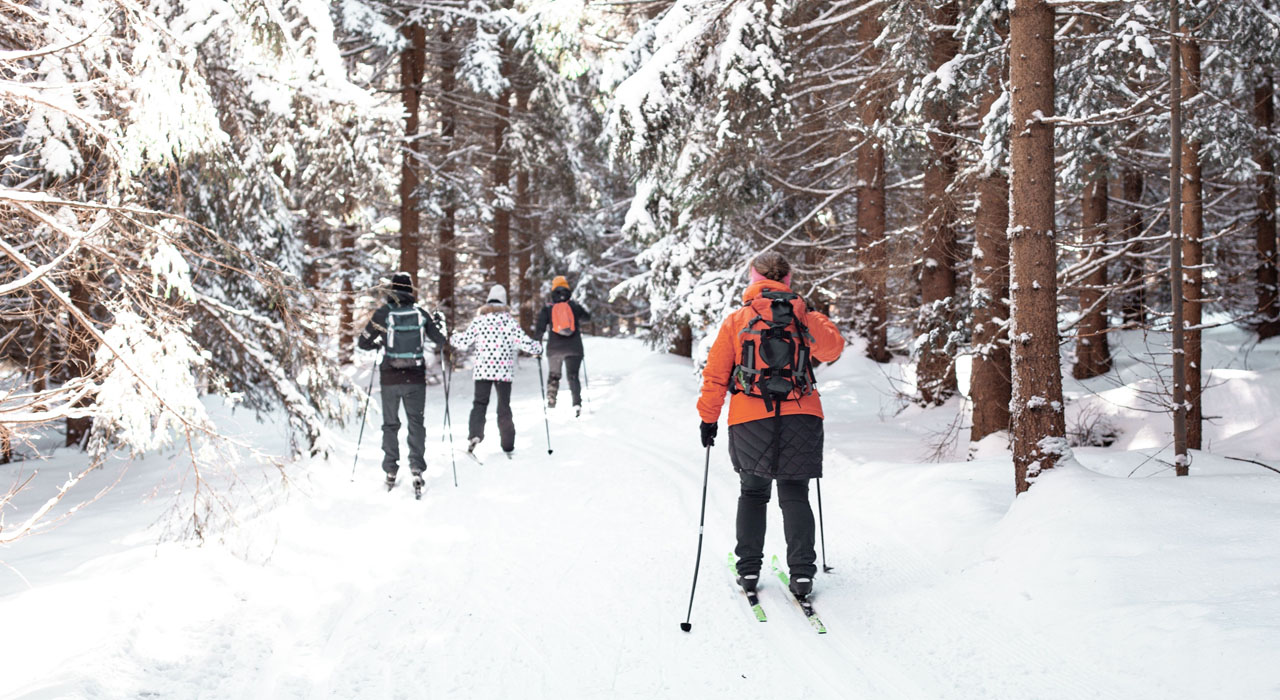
498 294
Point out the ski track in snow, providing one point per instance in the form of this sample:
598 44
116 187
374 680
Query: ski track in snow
563 576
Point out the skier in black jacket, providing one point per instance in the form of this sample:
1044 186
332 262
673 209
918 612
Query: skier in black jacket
398 327
562 319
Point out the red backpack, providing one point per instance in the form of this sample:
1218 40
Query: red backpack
562 320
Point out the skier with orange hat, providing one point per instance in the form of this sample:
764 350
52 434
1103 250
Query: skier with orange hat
562 319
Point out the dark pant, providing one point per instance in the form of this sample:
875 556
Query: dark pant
797 524
414 398
572 364
506 426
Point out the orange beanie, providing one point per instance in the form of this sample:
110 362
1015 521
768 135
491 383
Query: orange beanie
559 281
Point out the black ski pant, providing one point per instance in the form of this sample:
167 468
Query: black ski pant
572 365
480 407
414 398
797 524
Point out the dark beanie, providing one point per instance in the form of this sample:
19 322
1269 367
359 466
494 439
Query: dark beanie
402 285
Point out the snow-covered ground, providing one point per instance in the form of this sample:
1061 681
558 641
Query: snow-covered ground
565 576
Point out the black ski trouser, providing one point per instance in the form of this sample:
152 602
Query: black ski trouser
480 407
797 524
572 366
414 398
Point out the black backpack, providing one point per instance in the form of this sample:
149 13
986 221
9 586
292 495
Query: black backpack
786 371
404 337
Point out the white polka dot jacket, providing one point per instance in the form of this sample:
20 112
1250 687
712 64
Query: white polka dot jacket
496 337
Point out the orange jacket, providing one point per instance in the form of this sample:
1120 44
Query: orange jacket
726 353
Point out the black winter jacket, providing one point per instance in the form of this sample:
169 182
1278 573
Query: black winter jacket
375 336
562 345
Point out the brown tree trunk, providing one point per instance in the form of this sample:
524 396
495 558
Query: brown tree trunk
936 368
529 303
499 267
80 360
526 225
311 230
1192 253
1038 428
412 64
1179 406
682 344
814 256
447 254
1265 226
989 386
871 208
1134 307
39 362
1093 352
346 313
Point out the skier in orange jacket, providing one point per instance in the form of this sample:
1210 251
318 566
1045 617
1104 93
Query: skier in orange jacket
763 356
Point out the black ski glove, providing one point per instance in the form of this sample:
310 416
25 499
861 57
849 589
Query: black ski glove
709 433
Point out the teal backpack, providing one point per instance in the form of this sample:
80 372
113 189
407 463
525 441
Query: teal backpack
404 338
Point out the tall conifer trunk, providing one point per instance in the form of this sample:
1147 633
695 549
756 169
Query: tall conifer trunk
446 252
526 223
1192 252
499 266
79 359
936 368
1179 406
1037 420
1133 309
1093 352
871 206
1265 226
990 387
412 62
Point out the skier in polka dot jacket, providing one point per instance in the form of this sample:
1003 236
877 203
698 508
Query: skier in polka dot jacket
497 338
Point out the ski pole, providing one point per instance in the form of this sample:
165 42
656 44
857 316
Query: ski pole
822 531
543 386
448 422
697 562
586 382
368 394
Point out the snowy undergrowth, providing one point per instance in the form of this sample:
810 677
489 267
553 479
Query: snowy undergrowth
565 575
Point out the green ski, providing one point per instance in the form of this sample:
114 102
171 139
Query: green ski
805 606
753 599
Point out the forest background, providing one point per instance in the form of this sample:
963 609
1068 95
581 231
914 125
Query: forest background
205 197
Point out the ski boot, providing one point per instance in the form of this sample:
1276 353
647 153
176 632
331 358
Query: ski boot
749 582
471 445
801 587
390 481
577 410
511 454
418 483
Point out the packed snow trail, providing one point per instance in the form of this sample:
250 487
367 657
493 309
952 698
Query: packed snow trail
566 576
